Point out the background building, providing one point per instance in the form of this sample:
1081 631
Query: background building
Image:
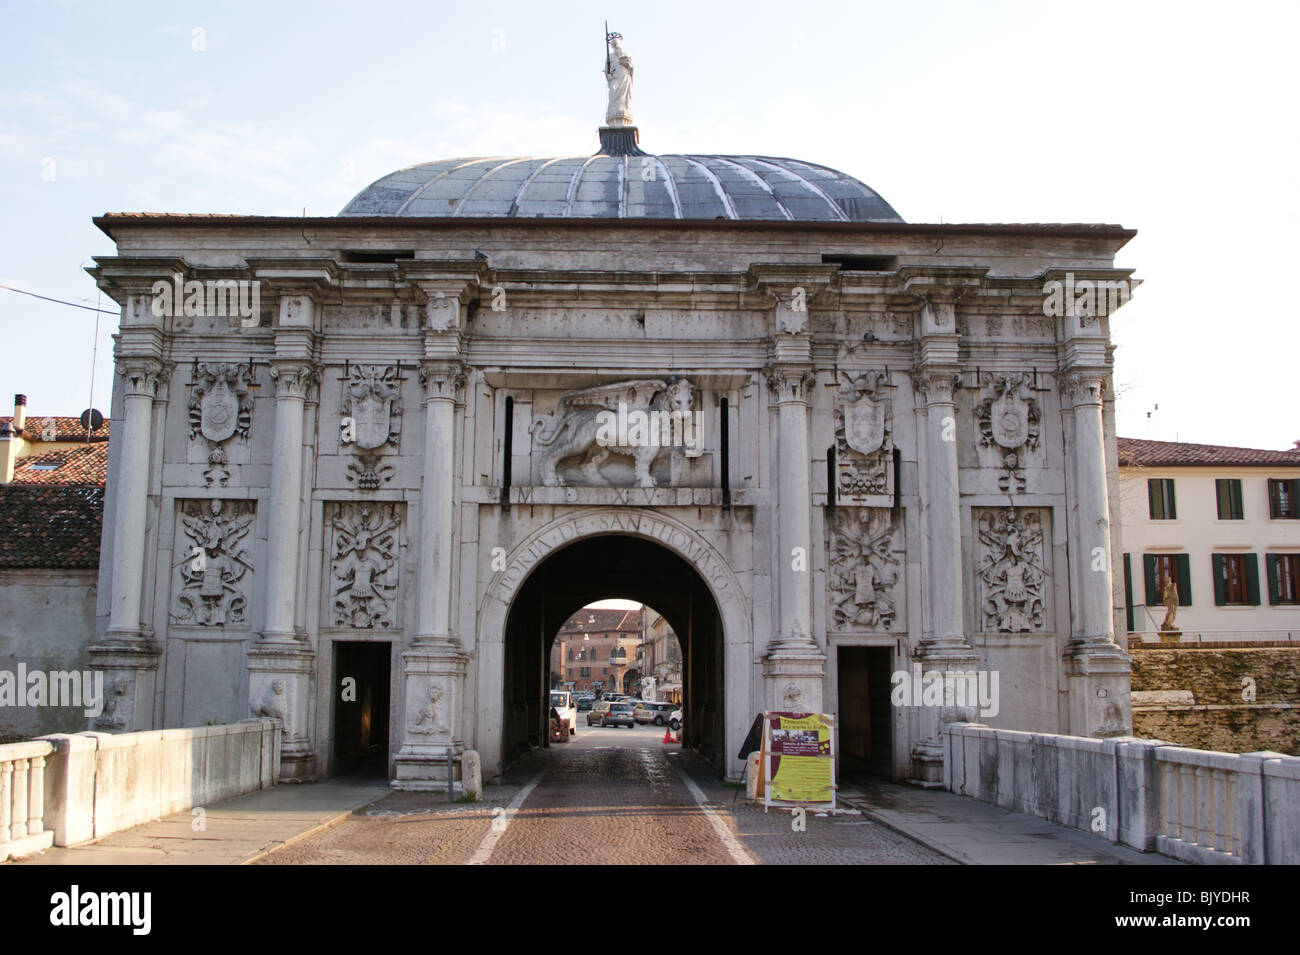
1224 523
595 651
51 520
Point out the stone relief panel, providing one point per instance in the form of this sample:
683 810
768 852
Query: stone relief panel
363 567
427 713
651 424
864 446
1013 578
214 562
371 421
220 408
1009 416
864 569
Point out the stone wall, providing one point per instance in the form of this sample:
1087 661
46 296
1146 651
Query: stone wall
1201 697
47 618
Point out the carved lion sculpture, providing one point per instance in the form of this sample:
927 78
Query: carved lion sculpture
587 416
273 703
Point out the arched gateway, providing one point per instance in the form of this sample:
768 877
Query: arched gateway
361 463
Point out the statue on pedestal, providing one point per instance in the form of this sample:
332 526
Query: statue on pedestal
618 74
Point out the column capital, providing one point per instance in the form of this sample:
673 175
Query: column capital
293 379
936 385
143 375
1083 386
442 380
789 383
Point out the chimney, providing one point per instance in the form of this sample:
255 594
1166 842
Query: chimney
20 411
8 452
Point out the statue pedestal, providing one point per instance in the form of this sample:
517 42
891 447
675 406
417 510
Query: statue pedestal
434 667
621 141
1170 635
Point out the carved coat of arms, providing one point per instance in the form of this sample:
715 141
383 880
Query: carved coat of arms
1009 420
864 424
369 404
218 411
864 445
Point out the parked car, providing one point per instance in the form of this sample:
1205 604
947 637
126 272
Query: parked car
656 713
618 714
596 715
585 703
675 720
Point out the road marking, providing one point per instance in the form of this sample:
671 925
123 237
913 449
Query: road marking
738 853
484 851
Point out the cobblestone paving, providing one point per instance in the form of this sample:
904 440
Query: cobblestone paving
612 796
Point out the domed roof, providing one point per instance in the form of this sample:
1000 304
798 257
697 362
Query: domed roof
624 187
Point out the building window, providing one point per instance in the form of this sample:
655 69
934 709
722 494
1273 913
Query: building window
1157 568
585 672
1236 580
1283 574
1282 496
1160 495
1228 492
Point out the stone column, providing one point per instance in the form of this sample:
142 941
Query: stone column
126 655
1097 668
435 662
943 647
795 665
281 662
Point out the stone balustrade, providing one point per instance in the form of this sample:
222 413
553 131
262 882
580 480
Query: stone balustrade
69 788
22 798
1195 805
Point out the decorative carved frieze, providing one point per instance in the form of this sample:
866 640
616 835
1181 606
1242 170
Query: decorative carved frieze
864 568
214 562
364 566
1012 570
864 447
1009 417
638 419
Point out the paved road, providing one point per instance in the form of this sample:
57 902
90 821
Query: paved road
611 796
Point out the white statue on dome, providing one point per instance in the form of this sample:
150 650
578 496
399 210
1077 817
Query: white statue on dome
618 74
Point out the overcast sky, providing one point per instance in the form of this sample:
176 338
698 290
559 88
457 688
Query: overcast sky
1176 119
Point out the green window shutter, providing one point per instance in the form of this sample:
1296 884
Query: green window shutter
1252 580
1149 575
1270 569
1171 504
1220 598
1128 592
1152 510
1183 569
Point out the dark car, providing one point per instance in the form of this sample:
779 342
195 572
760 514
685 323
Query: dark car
585 703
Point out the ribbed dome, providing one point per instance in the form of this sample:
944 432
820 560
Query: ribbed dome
624 187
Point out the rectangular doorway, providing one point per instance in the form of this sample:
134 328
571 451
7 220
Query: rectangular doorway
361 693
866 717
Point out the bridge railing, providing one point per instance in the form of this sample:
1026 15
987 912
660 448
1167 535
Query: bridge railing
66 789
22 798
1195 805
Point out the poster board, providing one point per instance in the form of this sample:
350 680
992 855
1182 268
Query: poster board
797 759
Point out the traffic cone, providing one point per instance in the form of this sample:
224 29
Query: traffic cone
668 735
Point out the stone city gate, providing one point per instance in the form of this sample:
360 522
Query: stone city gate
834 444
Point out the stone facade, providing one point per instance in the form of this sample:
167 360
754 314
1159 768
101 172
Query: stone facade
911 457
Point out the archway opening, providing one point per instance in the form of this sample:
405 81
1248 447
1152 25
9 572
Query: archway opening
597 568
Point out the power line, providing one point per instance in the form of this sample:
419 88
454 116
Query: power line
60 301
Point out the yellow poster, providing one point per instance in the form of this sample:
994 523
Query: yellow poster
799 758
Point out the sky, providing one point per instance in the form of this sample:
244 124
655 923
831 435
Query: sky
1178 120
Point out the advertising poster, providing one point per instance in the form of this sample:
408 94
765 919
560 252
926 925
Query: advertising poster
798 759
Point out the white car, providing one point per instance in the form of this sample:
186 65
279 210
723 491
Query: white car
563 703
675 721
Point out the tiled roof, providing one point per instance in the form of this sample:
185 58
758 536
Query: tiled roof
78 464
1140 453
607 621
55 527
65 429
